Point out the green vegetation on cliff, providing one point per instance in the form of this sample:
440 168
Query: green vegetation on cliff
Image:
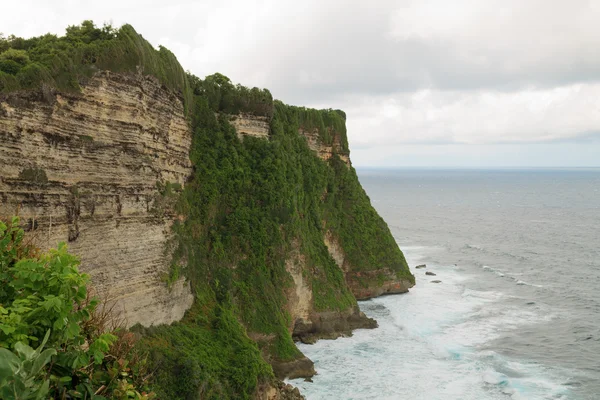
251 206
65 62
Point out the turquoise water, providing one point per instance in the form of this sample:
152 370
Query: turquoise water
517 314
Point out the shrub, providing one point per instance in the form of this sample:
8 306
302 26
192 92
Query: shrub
10 66
19 56
20 373
44 299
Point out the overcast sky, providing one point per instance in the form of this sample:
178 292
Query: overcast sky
424 82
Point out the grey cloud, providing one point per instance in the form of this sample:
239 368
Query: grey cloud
351 48
323 50
408 72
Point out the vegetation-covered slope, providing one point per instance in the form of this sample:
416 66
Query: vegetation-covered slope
250 204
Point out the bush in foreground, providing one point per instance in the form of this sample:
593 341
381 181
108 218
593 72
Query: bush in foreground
45 303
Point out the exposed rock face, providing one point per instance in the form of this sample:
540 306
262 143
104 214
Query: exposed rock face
336 251
308 324
300 300
324 151
302 367
251 125
332 324
391 283
83 168
278 391
384 281
257 126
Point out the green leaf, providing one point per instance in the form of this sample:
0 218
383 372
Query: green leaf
7 392
24 351
43 390
9 363
42 360
39 349
88 388
7 329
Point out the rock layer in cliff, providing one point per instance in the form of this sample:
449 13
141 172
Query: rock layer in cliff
83 168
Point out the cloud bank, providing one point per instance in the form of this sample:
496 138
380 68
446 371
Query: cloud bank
428 73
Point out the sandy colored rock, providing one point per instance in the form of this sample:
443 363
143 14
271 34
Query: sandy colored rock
278 390
100 154
250 125
308 324
302 367
300 299
324 151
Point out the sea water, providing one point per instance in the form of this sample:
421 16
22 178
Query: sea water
517 312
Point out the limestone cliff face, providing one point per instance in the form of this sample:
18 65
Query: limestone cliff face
83 168
97 169
250 125
258 126
324 151
308 324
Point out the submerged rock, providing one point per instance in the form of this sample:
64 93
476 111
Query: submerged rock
429 273
436 281
421 266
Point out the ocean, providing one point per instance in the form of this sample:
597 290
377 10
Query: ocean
517 312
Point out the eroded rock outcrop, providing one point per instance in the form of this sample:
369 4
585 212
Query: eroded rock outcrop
308 324
278 391
324 151
250 125
366 284
86 168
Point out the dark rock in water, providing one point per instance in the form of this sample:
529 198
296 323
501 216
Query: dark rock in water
429 273
530 303
436 281
421 266
308 380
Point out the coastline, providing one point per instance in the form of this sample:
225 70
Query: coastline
437 338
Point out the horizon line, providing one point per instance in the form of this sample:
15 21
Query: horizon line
475 167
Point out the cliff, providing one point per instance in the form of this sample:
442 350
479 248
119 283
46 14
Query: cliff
196 201
83 168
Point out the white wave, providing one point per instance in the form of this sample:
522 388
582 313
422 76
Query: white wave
494 378
430 340
520 282
487 295
496 271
